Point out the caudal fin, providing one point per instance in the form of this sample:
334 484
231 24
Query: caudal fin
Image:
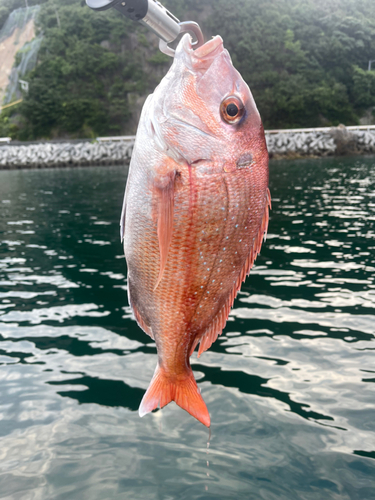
184 392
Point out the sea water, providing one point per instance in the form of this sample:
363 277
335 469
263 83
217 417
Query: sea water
290 384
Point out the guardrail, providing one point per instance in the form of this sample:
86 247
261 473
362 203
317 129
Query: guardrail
319 129
116 138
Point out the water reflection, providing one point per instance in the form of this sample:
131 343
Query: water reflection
102 392
251 384
289 384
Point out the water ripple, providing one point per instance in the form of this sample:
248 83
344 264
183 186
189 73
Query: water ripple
290 384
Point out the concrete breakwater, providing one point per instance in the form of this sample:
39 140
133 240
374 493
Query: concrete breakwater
325 141
117 150
66 154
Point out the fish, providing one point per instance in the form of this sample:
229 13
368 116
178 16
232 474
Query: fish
195 213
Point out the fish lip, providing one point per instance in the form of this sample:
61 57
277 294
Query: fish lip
202 56
209 47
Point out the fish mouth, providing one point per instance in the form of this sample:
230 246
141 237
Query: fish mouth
209 47
202 57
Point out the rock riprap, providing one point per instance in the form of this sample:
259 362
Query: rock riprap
66 154
298 142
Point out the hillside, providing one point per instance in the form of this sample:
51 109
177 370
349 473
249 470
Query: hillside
8 50
15 36
304 60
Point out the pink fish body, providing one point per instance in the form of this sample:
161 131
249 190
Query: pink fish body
195 213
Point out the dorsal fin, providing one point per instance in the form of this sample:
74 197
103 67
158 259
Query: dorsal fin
165 206
218 323
122 219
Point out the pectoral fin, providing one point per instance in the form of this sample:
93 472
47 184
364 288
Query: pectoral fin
165 204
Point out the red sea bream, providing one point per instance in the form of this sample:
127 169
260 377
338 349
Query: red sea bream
195 213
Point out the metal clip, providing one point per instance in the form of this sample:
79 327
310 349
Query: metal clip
153 15
185 27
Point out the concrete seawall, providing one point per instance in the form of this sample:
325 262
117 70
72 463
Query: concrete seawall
321 141
66 154
117 150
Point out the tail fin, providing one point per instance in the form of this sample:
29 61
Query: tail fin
184 392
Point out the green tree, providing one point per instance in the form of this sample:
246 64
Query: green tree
304 60
80 87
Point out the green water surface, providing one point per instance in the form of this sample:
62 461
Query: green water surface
290 384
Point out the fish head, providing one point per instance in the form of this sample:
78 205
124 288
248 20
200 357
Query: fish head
204 113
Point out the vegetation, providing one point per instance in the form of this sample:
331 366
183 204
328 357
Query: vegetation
85 73
305 61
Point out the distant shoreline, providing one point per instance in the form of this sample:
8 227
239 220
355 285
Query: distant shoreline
282 144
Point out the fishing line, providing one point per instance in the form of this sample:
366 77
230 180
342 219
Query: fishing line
207 453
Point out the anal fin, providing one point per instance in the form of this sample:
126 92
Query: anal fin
133 301
141 322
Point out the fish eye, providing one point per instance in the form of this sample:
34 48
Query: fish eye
232 109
